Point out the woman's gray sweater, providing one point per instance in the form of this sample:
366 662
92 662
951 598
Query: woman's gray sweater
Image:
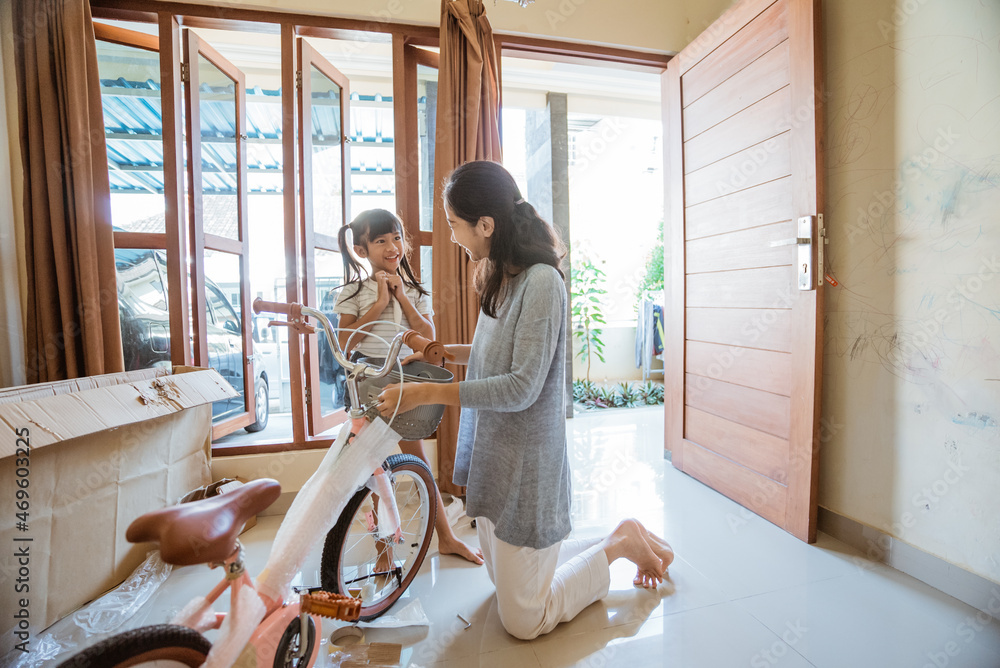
512 435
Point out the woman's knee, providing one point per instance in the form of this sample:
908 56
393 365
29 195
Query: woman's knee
521 630
524 624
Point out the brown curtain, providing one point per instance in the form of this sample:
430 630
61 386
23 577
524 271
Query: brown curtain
72 325
468 128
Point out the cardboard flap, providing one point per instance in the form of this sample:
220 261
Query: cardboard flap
52 418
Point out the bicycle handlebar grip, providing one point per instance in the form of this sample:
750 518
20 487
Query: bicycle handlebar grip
434 351
261 306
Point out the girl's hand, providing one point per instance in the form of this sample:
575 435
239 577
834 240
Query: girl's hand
391 394
395 283
382 281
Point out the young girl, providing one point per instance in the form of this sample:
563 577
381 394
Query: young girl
512 436
391 293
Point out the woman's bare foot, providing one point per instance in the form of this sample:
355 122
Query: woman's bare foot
628 540
452 545
661 549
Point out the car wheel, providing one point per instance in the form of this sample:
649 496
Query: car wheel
263 410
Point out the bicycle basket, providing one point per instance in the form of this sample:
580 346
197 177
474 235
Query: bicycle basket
419 422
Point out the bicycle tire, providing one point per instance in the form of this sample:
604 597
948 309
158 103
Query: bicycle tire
161 642
341 571
289 643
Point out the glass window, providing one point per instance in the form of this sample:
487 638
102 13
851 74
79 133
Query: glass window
133 129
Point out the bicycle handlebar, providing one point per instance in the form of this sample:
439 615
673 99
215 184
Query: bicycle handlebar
434 351
261 306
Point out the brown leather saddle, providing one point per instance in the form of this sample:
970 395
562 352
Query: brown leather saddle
205 531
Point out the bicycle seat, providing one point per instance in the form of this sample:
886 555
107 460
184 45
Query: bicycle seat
205 531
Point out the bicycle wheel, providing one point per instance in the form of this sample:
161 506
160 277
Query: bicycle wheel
354 556
168 644
289 644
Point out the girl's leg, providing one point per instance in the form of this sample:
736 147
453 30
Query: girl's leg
535 593
448 542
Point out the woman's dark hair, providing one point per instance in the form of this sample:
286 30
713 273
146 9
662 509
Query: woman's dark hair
520 237
366 226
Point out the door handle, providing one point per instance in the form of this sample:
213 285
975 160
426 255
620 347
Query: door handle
806 231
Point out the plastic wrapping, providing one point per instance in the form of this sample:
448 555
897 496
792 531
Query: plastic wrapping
197 615
112 613
247 613
411 615
322 498
389 524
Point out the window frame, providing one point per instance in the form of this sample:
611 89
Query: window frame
171 16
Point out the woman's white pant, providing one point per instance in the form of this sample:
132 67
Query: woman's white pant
537 589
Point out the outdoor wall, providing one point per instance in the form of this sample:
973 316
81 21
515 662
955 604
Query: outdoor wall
911 372
619 358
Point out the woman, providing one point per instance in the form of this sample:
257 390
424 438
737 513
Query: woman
512 436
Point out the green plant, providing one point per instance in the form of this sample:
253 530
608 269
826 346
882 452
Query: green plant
587 310
607 397
628 393
583 390
651 285
651 393
622 395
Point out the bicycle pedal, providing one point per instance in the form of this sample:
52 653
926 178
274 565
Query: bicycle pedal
334 606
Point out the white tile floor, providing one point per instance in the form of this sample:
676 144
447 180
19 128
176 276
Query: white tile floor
741 592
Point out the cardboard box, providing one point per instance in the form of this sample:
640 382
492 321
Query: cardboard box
220 487
79 461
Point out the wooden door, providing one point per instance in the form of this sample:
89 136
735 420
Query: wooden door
743 341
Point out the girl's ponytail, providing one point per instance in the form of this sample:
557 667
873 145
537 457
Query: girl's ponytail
352 268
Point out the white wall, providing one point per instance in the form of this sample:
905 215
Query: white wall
658 25
619 358
911 389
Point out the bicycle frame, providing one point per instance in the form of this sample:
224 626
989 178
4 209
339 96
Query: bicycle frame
265 641
259 625
261 618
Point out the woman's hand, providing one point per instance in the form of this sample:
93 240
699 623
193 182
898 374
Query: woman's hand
415 357
411 398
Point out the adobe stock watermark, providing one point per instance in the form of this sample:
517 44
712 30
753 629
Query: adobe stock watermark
563 11
758 155
604 476
966 630
798 462
752 330
920 340
789 637
590 145
922 503
882 202
900 15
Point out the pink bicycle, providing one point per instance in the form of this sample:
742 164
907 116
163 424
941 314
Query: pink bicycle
379 537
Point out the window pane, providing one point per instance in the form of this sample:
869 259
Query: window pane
368 66
143 307
219 179
427 268
327 154
329 273
225 332
130 97
426 124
